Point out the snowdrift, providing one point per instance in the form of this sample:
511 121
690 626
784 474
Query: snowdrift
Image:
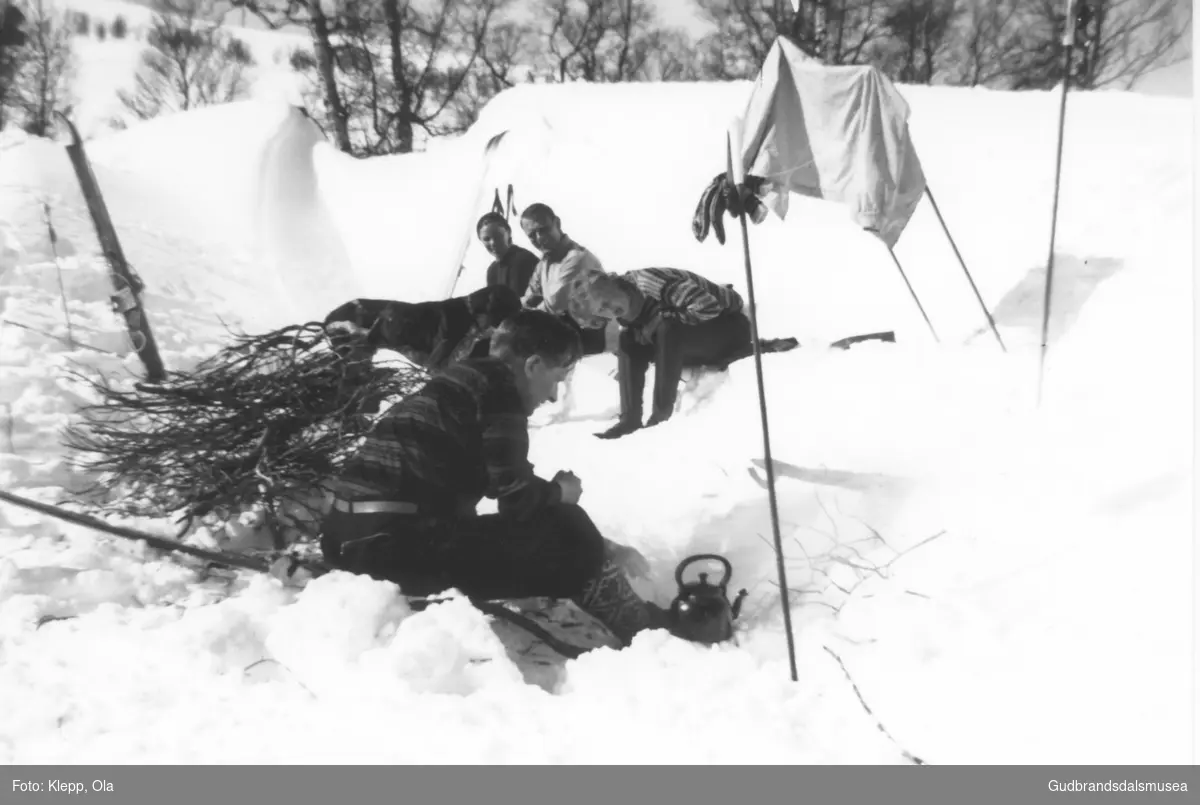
1005 583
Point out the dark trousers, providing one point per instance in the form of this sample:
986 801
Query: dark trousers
715 343
558 554
554 555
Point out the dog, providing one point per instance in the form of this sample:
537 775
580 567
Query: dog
430 334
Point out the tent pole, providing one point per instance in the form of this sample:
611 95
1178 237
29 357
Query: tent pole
963 263
762 410
1068 57
899 267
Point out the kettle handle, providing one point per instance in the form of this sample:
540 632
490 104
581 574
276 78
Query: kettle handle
703 556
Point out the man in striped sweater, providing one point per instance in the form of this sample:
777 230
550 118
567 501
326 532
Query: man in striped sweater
671 318
404 507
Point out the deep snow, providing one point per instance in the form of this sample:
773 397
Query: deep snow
1047 620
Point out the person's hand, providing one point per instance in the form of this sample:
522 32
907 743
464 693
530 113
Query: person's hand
630 560
572 487
289 572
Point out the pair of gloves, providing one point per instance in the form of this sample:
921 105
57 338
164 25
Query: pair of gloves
721 197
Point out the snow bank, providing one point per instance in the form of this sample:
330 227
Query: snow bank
1004 582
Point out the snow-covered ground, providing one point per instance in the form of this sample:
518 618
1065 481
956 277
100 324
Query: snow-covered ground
1005 583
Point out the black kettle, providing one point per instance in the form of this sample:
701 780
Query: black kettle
701 612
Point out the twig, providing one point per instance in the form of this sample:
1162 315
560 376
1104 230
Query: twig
912 548
865 568
874 533
292 673
72 344
837 537
909 756
62 290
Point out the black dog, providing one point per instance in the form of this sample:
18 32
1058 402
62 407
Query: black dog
430 334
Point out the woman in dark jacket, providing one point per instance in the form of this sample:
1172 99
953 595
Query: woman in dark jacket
513 265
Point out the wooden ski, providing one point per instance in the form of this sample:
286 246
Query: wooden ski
127 299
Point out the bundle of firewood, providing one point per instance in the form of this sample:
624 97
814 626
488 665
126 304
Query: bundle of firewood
260 426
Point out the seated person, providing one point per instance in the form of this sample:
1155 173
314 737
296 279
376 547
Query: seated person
404 508
513 265
564 268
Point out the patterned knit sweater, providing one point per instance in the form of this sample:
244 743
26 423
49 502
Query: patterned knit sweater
683 296
462 437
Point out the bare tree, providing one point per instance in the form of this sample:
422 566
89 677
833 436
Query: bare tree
1017 44
674 57
987 42
191 62
41 70
608 41
835 31
433 60
12 52
504 60
1129 38
918 32
392 72
310 15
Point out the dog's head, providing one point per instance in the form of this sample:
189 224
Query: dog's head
493 304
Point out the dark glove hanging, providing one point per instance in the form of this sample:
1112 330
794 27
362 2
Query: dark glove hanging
752 192
701 222
721 197
733 198
716 210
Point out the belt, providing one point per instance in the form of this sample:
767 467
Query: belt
375 506
465 509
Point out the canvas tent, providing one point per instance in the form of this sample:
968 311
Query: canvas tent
835 133
838 134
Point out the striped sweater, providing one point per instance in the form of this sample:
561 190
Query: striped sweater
683 296
462 437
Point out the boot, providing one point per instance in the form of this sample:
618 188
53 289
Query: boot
657 419
612 600
624 427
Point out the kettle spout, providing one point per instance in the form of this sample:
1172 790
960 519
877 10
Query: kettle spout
737 604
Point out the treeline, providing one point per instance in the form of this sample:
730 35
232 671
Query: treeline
388 71
385 75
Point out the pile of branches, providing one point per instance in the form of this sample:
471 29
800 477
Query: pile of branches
263 426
